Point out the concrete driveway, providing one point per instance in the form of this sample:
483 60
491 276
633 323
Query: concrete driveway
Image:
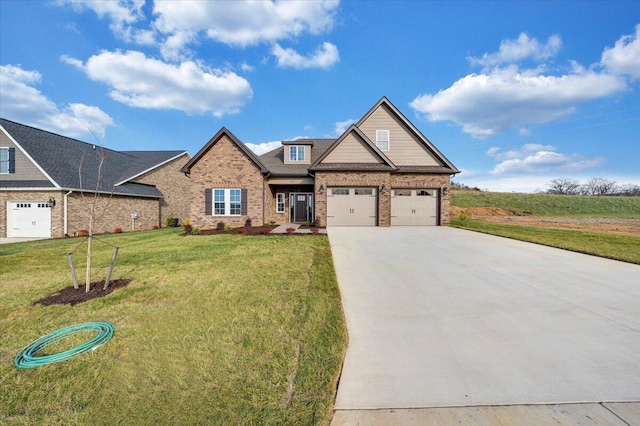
441 317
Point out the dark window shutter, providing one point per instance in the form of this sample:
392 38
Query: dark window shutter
208 195
12 160
243 202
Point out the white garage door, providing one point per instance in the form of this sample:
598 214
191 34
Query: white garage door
351 206
414 207
28 219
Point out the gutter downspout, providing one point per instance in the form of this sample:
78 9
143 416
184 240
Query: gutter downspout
66 213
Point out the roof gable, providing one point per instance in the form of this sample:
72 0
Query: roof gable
214 140
353 147
408 146
75 165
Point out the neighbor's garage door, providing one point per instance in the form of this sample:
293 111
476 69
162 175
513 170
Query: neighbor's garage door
351 206
414 207
28 219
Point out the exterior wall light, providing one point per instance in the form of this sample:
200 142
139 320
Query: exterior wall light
445 191
321 189
52 202
384 188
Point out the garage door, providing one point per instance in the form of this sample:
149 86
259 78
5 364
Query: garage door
414 207
352 206
28 219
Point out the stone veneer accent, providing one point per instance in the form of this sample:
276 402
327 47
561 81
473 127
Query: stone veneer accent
173 184
226 166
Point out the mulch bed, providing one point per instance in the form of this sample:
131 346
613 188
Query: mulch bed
254 230
72 296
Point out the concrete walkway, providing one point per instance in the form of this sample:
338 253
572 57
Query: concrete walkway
441 318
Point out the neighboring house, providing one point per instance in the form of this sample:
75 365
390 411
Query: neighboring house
48 182
380 172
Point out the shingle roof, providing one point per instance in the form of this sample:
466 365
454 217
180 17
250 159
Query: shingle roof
274 160
72 164
214 140
372 167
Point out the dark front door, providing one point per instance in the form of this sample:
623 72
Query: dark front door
302 208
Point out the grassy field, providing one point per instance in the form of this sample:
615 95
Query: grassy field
619 247
221 329
551 205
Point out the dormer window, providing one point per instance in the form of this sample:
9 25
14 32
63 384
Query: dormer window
296 152
382 140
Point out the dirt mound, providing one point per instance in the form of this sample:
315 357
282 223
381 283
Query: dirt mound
481 211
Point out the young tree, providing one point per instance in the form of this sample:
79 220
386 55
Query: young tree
93 207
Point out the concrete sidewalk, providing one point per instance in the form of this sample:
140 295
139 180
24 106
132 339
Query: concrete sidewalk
440 317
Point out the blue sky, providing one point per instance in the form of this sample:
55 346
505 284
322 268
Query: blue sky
513 93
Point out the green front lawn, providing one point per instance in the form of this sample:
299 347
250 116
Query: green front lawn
225 329
619 247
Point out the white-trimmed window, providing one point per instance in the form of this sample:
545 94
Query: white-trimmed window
280 202
382 140
227 202
296 152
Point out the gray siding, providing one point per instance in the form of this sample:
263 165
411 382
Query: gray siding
352 150
25 169
405 149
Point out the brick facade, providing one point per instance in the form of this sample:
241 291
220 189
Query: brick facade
111 212
416 180
270 213
173 184
224 165
57 212
369 179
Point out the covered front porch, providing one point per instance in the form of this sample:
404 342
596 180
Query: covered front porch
292 200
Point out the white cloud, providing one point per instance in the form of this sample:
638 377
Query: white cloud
624 57
143 82
507 98
537 158
246 67
341 126
324 56
122 14
23 102
504 96
242 23
264 147
525 47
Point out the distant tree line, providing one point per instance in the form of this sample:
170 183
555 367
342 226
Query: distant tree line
594 186
463 187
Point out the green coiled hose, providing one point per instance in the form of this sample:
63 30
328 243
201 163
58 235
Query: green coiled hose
28 357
